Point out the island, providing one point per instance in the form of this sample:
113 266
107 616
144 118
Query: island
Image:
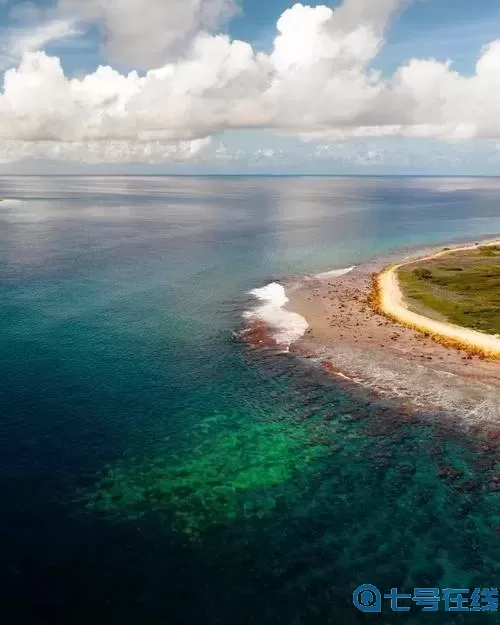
452 296
422 324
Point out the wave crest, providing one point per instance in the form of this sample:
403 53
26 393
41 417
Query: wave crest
286 326
334 273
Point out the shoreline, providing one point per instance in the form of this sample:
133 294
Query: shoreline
390 301
348 338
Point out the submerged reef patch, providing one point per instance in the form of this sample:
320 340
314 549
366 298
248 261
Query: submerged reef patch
234 473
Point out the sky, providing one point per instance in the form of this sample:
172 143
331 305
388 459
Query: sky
250 86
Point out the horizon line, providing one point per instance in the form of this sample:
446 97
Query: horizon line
270 175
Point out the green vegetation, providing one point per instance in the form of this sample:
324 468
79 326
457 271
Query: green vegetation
460 287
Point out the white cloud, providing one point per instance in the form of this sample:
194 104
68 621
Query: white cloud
21 41
315 83
118 151
39 37
146 33
219 84
445 104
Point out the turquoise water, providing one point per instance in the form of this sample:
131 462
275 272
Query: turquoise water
153 470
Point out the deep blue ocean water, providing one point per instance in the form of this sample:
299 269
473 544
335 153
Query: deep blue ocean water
153 470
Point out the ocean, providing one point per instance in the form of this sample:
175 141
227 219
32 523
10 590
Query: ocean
154 470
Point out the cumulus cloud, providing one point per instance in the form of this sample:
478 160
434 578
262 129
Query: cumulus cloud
218 84
316 83
445 104
147 33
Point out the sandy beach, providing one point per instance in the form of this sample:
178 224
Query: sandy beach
392 304
351 339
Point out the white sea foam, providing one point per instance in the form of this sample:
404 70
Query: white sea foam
334 273
287 326
9 202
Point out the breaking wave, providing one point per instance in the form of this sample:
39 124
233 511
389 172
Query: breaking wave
286 326
334 273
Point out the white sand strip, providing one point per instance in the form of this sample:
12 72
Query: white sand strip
393 304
